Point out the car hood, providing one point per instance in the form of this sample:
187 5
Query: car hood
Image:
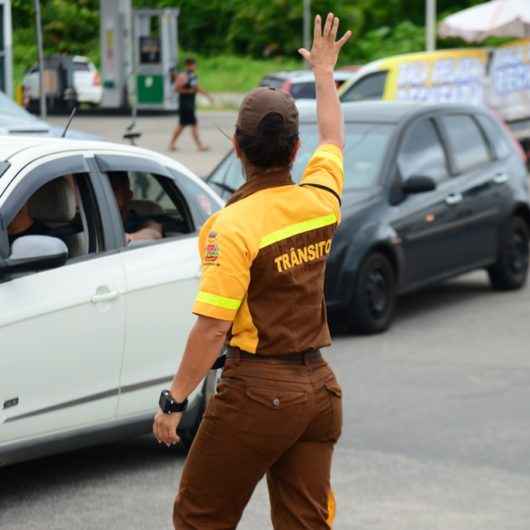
10 126
356 200
30 127
74 134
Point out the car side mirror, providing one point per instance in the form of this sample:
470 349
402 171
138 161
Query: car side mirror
418 185
32 253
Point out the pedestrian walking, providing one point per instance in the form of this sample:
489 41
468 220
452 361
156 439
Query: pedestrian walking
187 86
278 409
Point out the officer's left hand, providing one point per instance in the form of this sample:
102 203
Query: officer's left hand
165 427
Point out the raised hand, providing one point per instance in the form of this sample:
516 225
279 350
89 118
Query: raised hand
326 48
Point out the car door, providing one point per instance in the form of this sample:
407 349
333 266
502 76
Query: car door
482 190
423 221
162 279
61 330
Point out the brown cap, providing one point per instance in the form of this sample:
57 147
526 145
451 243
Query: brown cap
263 101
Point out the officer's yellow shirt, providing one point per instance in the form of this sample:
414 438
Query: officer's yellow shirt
263 258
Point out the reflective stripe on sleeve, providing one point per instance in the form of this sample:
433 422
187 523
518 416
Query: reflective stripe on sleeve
298 228
218 301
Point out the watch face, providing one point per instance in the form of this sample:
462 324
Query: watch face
168 405
165 401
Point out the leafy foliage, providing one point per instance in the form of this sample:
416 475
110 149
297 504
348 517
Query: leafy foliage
254 28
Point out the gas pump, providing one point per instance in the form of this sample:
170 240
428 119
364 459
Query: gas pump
6 60
116 53
156 57
139 50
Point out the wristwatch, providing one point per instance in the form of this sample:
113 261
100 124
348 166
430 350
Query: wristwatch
168 405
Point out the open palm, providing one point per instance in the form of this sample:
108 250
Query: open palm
325 50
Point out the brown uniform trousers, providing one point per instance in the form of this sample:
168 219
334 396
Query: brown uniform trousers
271 417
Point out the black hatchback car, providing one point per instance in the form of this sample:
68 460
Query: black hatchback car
431 192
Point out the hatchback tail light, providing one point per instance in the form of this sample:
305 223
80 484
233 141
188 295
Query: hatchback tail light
286 87
96 79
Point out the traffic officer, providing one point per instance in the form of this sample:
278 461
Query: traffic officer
278 407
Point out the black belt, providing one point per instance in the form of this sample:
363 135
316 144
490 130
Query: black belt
307 357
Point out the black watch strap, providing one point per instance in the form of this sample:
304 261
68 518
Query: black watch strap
168 405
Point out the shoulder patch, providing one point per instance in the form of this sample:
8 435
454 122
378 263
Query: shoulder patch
212 248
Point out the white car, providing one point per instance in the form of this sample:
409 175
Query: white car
92 329
300 84
17 121
86 83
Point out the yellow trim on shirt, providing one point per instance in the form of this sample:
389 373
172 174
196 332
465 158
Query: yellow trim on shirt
329 156
218 301
298 228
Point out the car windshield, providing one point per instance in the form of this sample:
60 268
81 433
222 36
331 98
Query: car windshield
364 153
9 109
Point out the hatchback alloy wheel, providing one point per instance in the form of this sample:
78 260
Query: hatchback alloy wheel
511 269
374 297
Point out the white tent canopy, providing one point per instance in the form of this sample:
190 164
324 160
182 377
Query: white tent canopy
498 18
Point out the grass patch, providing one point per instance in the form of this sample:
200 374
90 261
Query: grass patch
230 73
219 73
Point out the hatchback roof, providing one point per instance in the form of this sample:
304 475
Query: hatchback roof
384 111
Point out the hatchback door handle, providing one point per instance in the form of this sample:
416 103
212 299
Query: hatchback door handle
104 297
453 198
500 178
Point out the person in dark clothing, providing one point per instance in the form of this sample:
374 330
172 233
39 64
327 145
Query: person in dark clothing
136 228
24 225
187 86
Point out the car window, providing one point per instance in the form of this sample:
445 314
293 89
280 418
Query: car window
272 82
81 66
303 90
65 208
466 141
201 203
496 135
227 177
421 153
371 87
149 201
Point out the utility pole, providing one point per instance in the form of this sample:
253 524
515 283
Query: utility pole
430 25
307 24
38 24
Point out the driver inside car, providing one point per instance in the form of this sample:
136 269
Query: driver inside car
136 228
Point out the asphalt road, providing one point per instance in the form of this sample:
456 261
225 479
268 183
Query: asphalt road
156 132
436 432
